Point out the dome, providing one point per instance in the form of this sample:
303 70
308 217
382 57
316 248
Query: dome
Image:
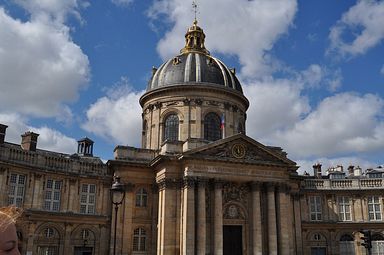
194 66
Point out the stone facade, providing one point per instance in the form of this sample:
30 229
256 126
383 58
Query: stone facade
65 199
198 184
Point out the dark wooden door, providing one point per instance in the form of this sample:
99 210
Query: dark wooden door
232 240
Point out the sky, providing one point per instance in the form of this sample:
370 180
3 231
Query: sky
312 70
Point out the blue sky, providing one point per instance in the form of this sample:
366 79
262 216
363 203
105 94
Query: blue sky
312 70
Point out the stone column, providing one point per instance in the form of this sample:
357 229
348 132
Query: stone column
167 244
124 221
284 215
257 240
201 218
189 217
272 235
218 219
298 218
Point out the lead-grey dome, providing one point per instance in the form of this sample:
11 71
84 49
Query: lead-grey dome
194 66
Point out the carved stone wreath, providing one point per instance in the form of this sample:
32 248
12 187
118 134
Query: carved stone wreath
234 192
232 211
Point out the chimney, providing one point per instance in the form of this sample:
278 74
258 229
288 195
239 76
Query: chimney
29 141
3 129
317 170
351 170
85 147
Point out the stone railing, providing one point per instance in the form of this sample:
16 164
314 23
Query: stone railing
52 161
343 184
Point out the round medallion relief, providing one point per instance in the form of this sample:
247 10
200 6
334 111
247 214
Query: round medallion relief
238 150
232 211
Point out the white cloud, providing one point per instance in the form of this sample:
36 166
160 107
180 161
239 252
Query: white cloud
117 115
54 10
341 124
122 2
49 139
274 105
246 29
41 68
364 22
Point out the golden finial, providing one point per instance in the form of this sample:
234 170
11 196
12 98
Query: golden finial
195 7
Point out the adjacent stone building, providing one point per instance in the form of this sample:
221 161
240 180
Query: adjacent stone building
65 197
198 184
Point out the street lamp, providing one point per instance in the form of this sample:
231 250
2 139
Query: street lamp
117 196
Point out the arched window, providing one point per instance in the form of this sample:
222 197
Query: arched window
212 127
377 244
49 233
139 240
171 128
144 134
347 245
48 241
141 198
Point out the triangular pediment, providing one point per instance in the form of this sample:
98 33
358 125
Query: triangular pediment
240 148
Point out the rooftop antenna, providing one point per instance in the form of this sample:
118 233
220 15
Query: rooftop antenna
195 7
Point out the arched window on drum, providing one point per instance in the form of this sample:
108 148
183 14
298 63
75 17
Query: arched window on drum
212 127
171 128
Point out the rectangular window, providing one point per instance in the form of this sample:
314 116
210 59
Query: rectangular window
374 208
344 208
16 189
88 198
48 250
52 195
315 208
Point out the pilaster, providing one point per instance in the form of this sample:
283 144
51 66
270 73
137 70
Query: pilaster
218 218
272 233
257 241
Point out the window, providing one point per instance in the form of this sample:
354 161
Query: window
315 208
318 251
48 250
212 129
171 128
141 198
377 244
344 208
374 208
84 234
88 198
49 233
139 238
347 245
16 189
52 195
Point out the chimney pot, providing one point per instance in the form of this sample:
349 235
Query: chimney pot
317 170
29 141
3 129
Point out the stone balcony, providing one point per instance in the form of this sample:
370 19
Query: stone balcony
52 161
343 184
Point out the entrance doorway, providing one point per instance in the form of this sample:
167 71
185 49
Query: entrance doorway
232 240
83 250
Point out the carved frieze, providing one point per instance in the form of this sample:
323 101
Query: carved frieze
233 192
240 150
232 211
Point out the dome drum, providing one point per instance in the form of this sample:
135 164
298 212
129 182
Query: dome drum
192 96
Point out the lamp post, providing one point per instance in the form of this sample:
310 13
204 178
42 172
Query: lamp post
117 196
